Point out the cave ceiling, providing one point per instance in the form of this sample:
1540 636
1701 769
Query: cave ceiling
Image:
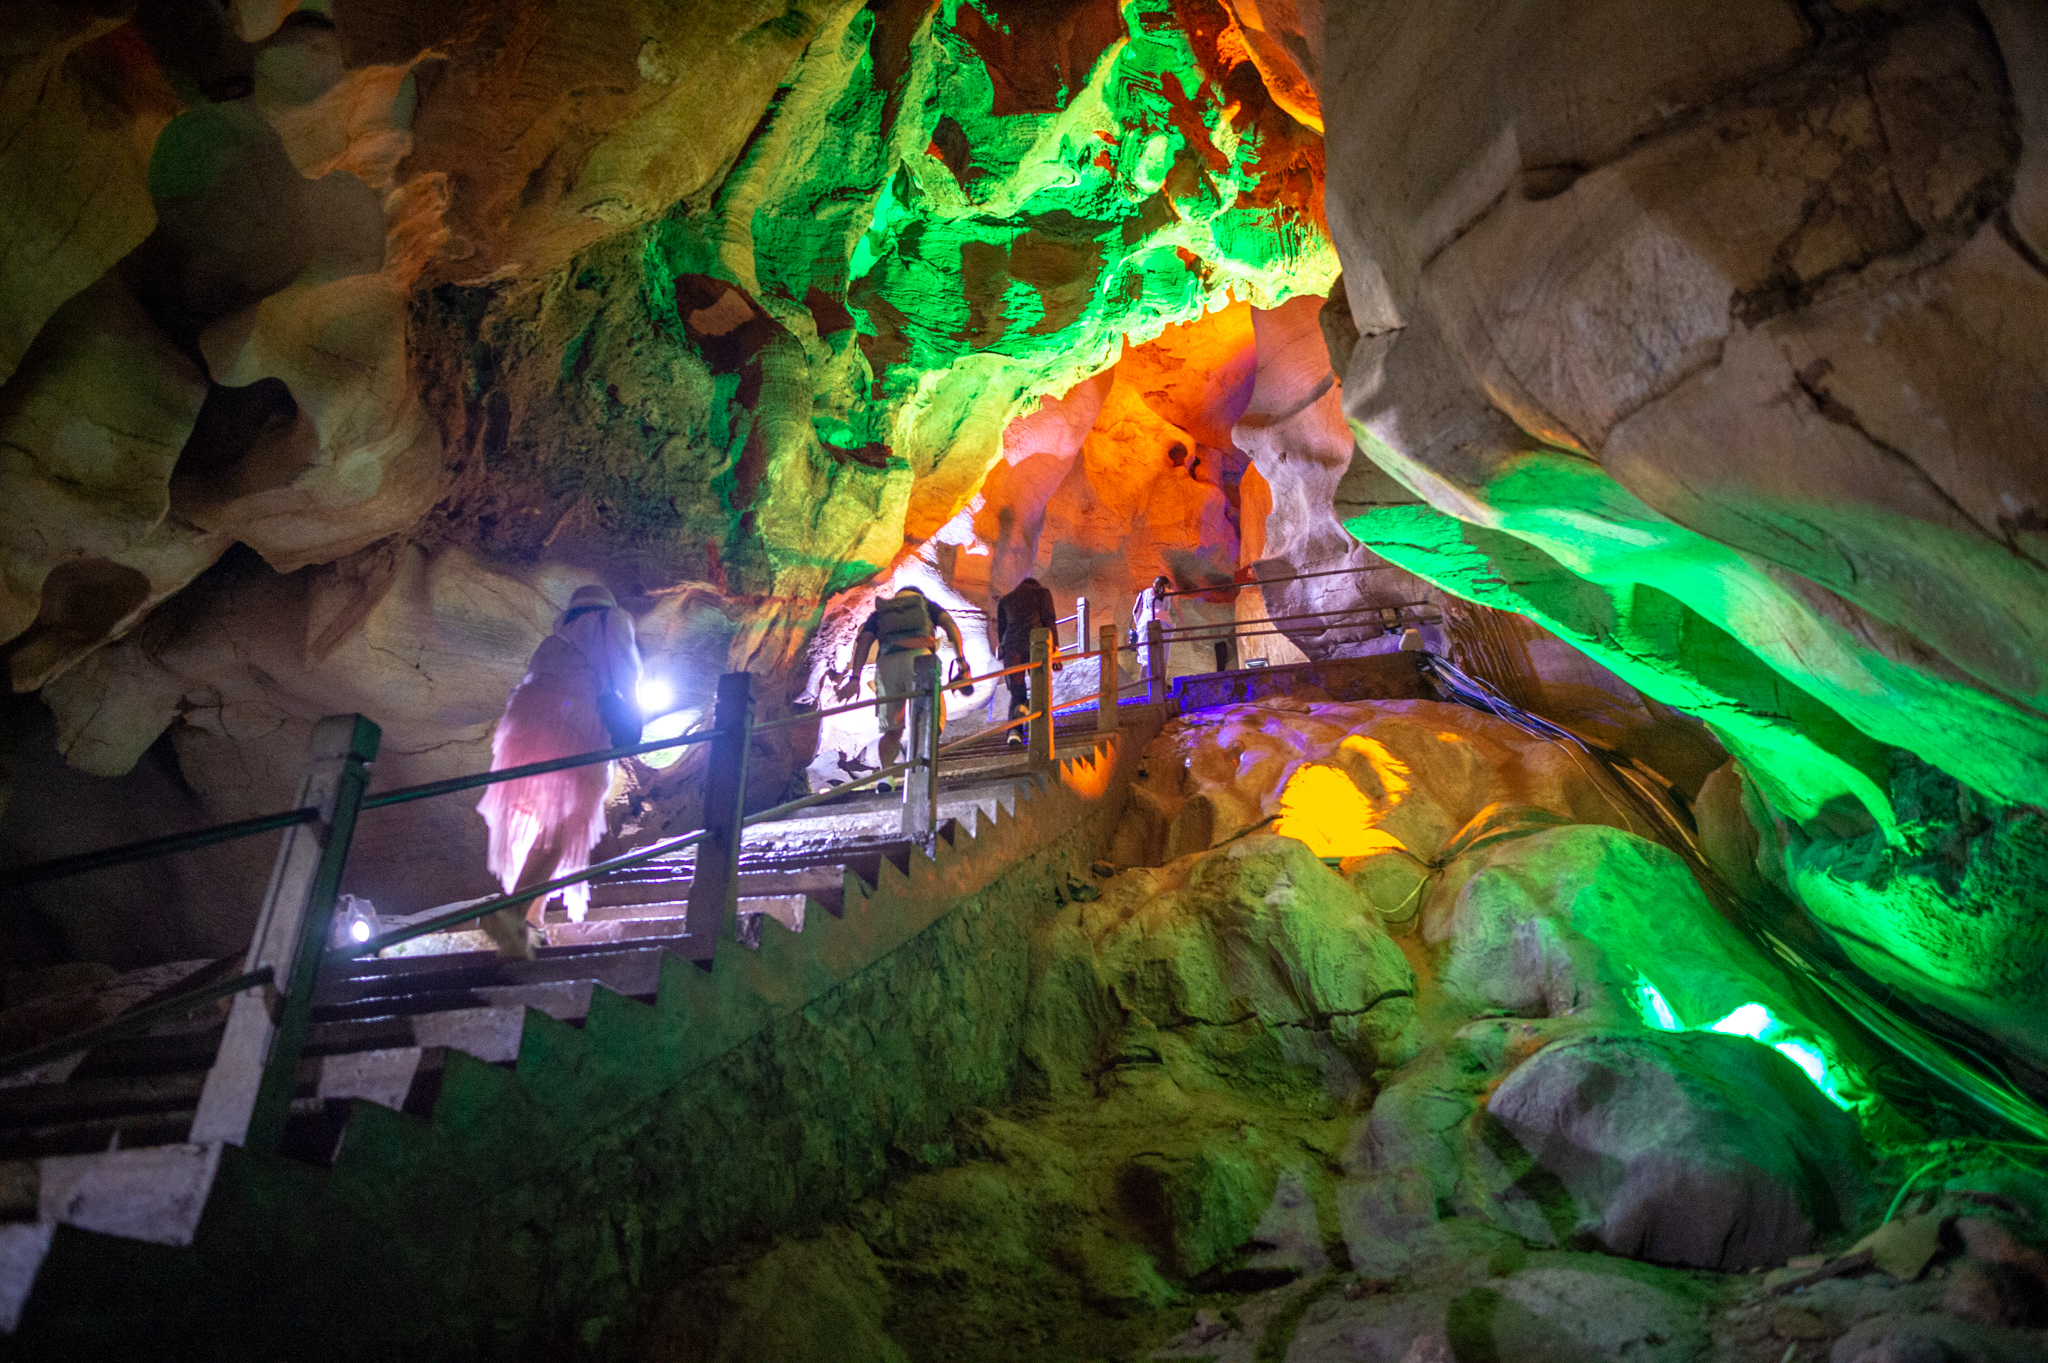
735 295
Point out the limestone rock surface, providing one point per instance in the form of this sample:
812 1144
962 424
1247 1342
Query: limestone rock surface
78 117
1428 779
1574 920
1256 949
1678 347
726 305
1700 1150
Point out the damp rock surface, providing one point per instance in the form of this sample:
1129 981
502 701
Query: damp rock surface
1700 1150
1208 1155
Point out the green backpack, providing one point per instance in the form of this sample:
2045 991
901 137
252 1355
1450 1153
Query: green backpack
903 622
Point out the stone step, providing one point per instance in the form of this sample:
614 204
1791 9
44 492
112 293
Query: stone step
558 982
634 897
85 1116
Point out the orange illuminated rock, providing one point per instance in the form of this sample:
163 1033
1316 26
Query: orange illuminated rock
1395 788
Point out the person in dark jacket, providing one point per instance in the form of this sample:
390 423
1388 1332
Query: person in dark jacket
1025 607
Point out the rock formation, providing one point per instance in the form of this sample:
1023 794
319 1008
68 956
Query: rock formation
1264 1113
442 314
1689 352
1686 364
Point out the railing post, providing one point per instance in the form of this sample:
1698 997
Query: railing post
1080 624
921 782
248 1092
715 883
1111 680
1155 662
1041 698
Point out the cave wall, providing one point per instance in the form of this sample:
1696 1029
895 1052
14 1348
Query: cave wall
1720 356
346 339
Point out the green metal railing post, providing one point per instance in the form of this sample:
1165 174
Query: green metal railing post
248 1092
715 884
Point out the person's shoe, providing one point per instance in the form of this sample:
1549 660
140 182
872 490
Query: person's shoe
510 933
1013 741
885 787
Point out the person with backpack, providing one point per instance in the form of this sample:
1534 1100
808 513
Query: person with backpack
905 627
1026 607
578 696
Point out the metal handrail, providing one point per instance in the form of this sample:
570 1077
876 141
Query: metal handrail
470 912
991 732
845 709
1010 671
457 917
871 701
820 797
407 794
14 877
1270 581
176 1005
1173 630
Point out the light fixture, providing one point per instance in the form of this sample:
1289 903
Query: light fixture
1758 1023
655 696
355 921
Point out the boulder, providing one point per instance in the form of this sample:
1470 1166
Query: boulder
1574 920
1578 1313
1693 1149
1477 1294
1427 781
1898 1337
1256 946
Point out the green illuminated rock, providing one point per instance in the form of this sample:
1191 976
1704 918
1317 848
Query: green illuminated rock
1685 351
782 379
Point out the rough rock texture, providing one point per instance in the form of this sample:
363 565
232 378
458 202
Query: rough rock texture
803 1302
1684 349
1226 953
1573 920
1432 781
726 306
1701 1150
1199 1161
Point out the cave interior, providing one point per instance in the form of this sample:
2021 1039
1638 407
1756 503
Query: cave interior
1585 898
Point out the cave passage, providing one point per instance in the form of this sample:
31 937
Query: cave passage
1556 863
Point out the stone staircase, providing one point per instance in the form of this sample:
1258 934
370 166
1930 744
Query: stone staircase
95 1146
